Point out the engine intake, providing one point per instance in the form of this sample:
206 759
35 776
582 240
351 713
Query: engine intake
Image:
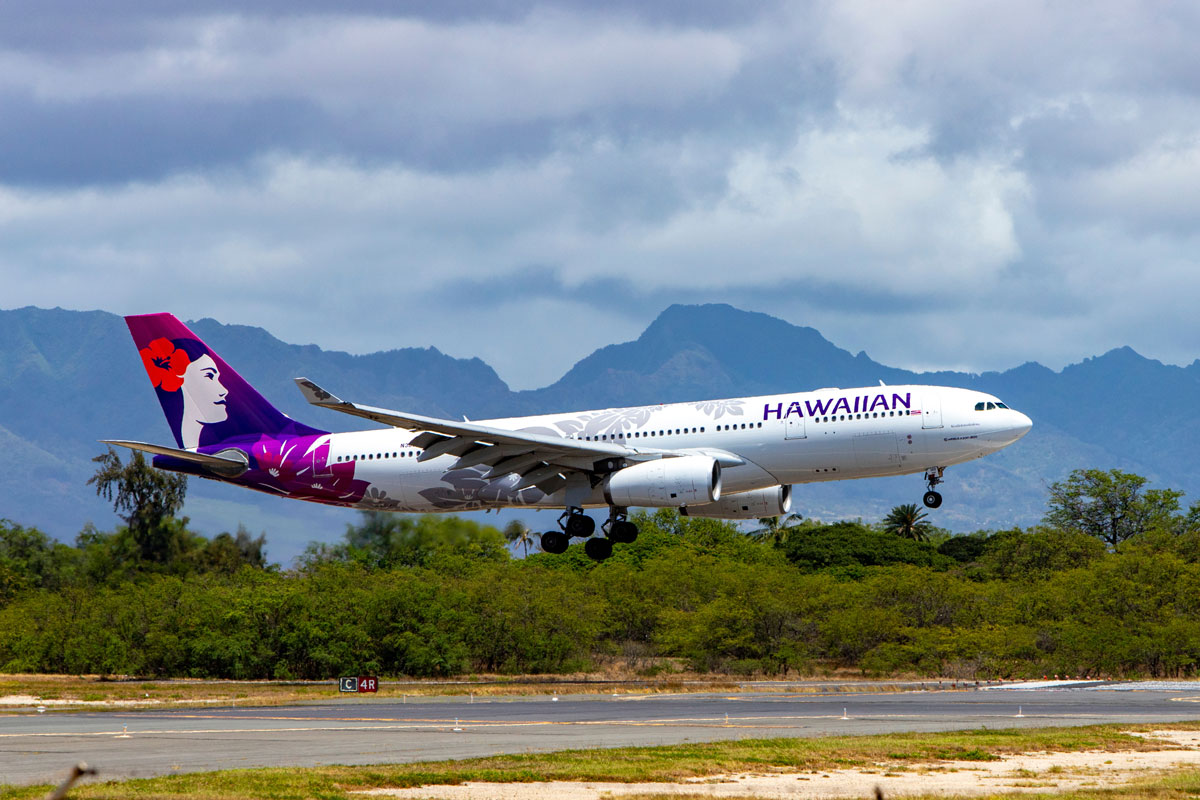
665 482
773 502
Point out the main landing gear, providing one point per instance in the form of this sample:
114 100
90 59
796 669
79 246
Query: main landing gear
577 525
933 476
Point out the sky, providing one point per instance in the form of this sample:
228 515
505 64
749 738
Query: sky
943 185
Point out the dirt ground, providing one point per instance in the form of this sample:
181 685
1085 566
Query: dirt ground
1029 772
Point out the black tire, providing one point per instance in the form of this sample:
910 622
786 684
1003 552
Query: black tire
598 548
580 526
623 532
932 499
555 542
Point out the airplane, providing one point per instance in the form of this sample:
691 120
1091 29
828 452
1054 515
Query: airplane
726 459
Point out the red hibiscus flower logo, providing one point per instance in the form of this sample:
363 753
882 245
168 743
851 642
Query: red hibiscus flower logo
165 364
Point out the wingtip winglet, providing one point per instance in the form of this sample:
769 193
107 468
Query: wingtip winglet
315 394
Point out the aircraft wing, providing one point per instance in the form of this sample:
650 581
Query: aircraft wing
538 458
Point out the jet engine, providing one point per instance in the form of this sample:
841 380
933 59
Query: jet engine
773 502
665 482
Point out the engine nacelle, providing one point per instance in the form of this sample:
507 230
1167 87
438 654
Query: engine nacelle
773 502
665 482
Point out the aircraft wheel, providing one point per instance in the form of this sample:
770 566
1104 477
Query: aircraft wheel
932 499
623 532
580 526
555 542
598 548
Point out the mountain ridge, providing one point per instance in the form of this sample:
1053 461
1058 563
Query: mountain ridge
69 378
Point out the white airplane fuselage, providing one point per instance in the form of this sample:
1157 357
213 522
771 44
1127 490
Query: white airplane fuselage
761 442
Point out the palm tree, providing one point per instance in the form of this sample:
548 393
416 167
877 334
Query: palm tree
908 522
775 530
516 531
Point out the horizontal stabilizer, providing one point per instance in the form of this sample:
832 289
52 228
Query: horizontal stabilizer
231 462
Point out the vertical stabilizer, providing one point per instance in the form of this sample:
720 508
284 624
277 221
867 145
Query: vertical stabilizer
205 401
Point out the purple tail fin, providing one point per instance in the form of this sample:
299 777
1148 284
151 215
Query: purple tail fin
205 401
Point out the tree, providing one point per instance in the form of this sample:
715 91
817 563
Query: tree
1111 506
229 553
517 532
29 559
908 522
390 540
147 499
852 544
775 530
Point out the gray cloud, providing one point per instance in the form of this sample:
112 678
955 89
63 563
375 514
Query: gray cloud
960 186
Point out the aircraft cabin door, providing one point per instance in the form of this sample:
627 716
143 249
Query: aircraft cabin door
931 411
794 428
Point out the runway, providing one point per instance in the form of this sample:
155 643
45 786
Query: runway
38 748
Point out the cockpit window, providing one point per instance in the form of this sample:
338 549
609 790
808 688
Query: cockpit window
979 406
989 406
1000 405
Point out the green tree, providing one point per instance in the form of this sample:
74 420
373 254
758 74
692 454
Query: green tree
387 540
908 522
228 553
1018 555
1113 506
852 544
29 559
520 534
775 530
147 499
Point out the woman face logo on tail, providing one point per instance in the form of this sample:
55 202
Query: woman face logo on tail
188 382
203 398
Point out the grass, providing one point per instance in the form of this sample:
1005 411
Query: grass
650 764
133 693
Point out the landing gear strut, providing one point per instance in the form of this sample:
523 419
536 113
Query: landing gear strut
933 476
619 528
575 525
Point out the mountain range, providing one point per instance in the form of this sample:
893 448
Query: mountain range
69 378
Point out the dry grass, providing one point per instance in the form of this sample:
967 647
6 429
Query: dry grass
73 692
654 764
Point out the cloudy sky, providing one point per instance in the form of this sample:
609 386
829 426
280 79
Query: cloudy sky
965 185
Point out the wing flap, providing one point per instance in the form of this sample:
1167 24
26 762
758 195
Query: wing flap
446 437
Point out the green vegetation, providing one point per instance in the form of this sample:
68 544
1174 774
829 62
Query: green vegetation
440 596
632 764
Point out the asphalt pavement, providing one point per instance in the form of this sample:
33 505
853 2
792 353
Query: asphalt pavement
39 748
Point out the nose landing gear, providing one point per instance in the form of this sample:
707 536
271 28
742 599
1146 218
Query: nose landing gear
933 476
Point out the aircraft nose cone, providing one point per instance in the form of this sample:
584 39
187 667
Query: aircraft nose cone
1008 429
1023 426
